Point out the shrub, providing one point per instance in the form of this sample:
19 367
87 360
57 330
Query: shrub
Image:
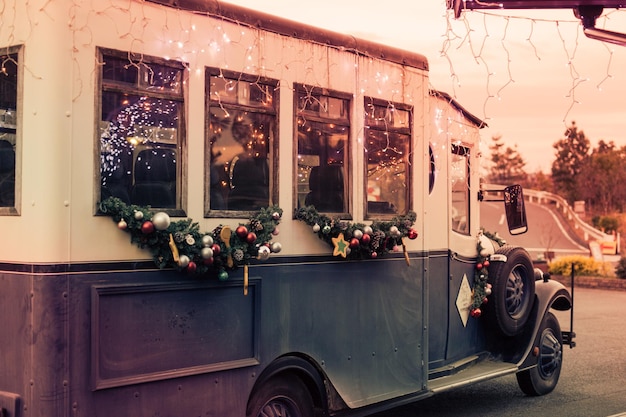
606 223
583 265
620 269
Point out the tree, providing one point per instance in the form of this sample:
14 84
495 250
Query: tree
571 154
538 181
600 179
507 165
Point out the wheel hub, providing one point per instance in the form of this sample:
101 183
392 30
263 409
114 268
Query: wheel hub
515 294
551 354
279 407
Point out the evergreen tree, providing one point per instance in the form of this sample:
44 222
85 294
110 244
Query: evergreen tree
539 181
572 153
600 178
507 165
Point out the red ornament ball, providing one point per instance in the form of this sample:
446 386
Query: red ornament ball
485 300
374 254
412 234
475 312
251 238
208 261
354 243
241 231
486 264
191 267
216 249
479 266
365 239
147 227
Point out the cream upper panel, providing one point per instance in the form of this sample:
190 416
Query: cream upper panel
60 88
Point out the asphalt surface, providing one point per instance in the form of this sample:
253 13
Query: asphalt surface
592 382
545 230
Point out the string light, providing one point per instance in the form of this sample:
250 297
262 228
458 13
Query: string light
453 41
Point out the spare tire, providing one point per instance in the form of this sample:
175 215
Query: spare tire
513 289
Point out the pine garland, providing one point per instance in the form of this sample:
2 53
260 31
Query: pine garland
482 288
180 244
365 241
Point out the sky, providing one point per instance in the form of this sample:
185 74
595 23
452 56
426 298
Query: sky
527 73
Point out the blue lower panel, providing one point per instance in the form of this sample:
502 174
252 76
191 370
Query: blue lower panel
143 333
362 321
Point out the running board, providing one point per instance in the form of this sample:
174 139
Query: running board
469 372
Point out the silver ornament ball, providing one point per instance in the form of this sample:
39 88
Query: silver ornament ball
183 261
207 240
207 253
161 220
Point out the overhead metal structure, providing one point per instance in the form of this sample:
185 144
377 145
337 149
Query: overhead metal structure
587 11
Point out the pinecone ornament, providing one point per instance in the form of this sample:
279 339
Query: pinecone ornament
256 225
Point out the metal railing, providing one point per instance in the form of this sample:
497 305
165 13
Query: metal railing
588 232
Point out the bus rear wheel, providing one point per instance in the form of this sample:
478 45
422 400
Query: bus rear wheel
542 379
282 396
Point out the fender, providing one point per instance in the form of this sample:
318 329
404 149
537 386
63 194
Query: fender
548 294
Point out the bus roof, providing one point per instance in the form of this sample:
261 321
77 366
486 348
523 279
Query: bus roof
300 31
469 116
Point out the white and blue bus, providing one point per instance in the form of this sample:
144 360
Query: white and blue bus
210 211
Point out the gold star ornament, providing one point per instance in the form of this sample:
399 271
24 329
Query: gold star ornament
340 246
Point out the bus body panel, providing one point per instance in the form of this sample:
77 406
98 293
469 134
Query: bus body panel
92 327
134 341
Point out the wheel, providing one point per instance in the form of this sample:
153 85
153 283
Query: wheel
513 290
282 396
543 378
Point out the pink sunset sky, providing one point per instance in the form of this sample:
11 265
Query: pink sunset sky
527 73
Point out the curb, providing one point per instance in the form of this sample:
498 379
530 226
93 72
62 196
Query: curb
592 282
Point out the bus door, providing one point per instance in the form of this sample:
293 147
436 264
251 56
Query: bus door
464 333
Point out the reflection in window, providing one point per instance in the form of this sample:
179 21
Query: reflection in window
242 121
8 126
459 175
323 129
140 130
387 148
432 169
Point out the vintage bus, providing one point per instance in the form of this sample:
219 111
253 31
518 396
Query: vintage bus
210 211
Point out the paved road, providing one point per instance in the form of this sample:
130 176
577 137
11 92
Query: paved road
592 383
545 230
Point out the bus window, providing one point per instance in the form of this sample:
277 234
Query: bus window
241 120
459 175
323 131
387 148
8 126
141 128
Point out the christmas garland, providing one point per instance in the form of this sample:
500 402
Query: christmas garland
358 240
180 244
482 288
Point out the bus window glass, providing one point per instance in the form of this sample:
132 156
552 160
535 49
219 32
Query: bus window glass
242 121
141 130
323 132
387 148
8 126
459 176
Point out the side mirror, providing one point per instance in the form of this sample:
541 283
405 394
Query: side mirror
515 210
